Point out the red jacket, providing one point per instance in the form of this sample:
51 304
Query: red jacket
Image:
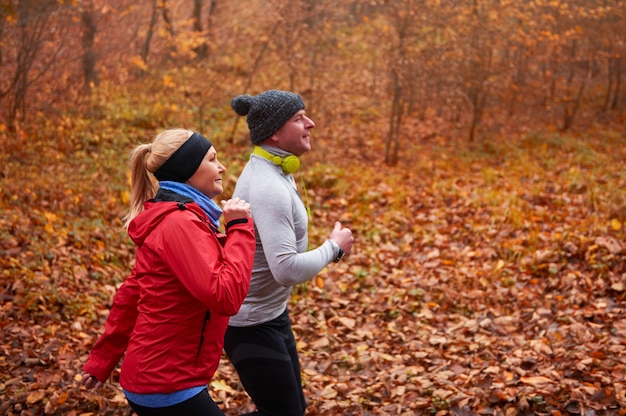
170 315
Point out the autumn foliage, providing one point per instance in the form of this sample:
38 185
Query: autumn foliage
475 149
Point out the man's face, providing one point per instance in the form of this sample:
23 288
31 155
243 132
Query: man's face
295 135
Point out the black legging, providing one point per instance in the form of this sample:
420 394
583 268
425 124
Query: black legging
266 360
199 405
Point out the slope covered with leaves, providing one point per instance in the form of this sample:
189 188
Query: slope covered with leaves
484 280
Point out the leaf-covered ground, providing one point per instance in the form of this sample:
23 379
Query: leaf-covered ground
485 279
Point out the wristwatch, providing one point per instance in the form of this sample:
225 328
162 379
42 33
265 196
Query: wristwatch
340 255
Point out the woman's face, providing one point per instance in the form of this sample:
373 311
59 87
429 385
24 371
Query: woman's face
208 177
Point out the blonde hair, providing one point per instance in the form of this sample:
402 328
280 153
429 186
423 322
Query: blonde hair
145 159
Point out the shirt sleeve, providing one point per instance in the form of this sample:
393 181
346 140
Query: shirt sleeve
108 350
278 217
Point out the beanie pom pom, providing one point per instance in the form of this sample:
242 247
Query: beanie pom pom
241 104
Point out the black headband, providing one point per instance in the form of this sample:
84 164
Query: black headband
185 160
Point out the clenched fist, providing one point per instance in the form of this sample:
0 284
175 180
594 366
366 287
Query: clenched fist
343 237
235 208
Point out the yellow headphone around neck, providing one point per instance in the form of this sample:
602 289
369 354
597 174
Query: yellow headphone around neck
290 163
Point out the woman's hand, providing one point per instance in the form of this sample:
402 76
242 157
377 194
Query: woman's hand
235 208
91 382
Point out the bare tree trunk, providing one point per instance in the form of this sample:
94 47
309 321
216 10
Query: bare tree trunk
197 15
146 45
519 76
480 68
401 77
212 8
202 50
618 83
395 120
89 55
167 17
33 22
570 108
3 18
571 105
169 26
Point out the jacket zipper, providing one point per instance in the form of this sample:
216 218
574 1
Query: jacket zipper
207 316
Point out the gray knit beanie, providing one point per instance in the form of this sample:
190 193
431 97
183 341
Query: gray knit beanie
267 112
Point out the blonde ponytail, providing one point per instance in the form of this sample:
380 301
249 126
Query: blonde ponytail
144 160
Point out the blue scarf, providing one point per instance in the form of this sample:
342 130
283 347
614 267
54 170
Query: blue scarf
207 204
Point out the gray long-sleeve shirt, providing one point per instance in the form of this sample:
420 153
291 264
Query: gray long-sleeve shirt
281 259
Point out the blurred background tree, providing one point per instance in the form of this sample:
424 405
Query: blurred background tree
377 74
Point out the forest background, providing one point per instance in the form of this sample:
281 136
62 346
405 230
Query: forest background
475 147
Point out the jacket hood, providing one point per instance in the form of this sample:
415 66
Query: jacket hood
155 210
